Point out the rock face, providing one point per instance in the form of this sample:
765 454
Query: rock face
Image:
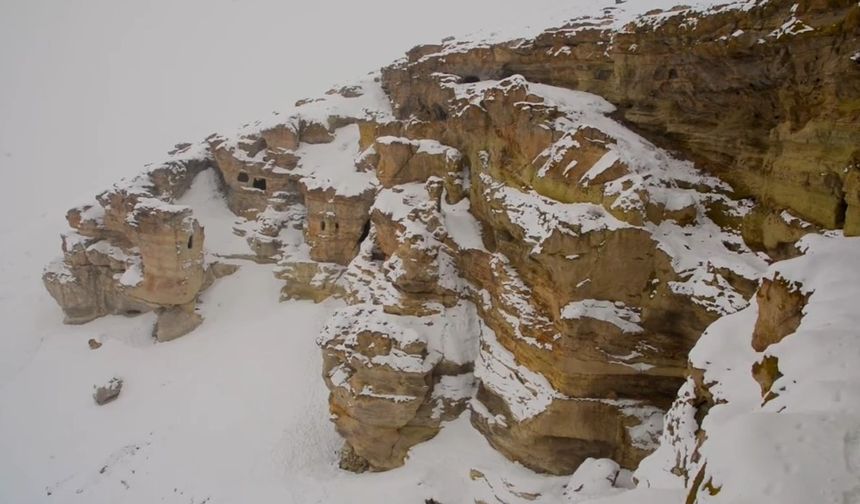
336 224
132 251
526 239
780 309
380 375
502 244
765 97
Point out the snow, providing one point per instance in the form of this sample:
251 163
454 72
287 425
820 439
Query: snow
602 14
792 26
60 270
423 145
602 164
210 210
699 253
791 219
785 449
332 165
555 153
525 392
133 275
455 387
539 217
613 312
233 412
597 477
462 226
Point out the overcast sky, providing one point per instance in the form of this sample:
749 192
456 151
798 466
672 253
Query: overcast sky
90 90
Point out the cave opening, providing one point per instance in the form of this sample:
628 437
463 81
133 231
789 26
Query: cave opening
242 177
470 79
365 231
322 225
259 183
190 242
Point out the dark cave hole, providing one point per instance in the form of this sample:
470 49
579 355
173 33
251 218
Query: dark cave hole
438 113
470 79
364 232
376 254
190 242
259 183
242 177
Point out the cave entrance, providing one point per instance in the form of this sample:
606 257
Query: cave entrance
242 177
364 232
190 242
470 79
259 183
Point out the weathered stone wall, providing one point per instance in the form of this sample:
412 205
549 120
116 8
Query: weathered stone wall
775 112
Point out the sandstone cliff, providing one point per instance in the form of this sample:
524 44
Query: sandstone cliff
508 235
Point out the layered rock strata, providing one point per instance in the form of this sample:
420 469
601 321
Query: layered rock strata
765 94
501 244
132 251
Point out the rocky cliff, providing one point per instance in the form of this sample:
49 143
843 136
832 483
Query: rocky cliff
537 232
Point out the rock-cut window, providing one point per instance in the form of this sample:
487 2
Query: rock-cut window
242 177
260 183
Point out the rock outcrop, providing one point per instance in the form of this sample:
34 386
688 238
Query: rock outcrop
502 244
527 238
132 251
764 96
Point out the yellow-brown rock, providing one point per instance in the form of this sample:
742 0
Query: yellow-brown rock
379 374
780 310
783 133
402 160
133 251
578 289
253 173
336 224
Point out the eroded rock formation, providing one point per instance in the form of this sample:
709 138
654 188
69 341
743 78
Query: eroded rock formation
766 97
131 251
501 243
